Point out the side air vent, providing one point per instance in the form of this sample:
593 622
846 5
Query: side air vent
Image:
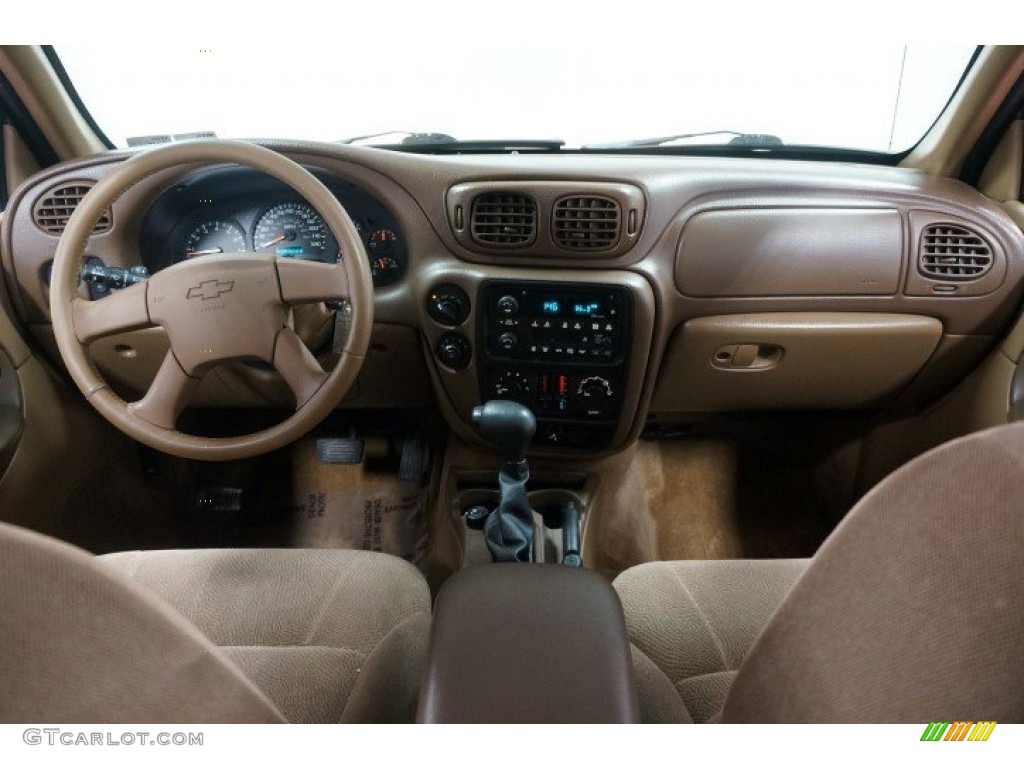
52 212
949 252
504 219
586 223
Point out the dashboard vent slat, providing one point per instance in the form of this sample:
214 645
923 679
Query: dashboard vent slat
586 223
54 209
504 219
950 252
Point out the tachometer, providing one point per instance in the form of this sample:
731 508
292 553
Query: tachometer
293 229
215 236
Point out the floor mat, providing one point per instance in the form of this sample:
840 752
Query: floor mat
291 499
728 491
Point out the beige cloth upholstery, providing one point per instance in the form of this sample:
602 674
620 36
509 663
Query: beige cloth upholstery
327 635
691 624
913 609
78 645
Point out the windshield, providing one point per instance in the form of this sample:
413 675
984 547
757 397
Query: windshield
874 98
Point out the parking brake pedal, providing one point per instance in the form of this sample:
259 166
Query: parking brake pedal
340 450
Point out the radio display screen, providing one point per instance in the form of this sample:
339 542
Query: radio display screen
568 306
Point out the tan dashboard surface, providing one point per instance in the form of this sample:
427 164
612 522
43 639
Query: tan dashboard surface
720 241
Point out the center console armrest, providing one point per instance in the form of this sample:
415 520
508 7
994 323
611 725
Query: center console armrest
528 643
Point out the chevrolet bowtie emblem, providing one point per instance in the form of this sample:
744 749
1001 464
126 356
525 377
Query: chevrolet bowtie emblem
210 289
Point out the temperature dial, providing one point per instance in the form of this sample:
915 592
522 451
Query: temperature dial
512 385
594 388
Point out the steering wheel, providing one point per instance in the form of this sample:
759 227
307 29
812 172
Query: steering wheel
214 309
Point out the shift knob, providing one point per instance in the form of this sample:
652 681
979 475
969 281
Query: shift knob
507 424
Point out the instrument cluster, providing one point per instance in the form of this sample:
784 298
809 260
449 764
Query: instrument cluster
240 210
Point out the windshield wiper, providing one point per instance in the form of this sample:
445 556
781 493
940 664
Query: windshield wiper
738 139
408 137
443 144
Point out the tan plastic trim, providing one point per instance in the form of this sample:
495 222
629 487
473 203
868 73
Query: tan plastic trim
214 308
791 252
943 149
18 161
1001 179
31 75
796 360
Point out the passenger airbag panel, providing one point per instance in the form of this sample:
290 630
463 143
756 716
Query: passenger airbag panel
791 252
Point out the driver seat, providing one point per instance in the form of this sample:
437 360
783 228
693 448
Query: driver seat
207 636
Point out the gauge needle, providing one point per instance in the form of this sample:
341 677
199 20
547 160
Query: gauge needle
207 252
280 238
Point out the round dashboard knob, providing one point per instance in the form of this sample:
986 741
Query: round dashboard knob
508 306
453 350
448 305
508 342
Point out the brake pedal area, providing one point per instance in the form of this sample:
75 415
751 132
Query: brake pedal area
340 450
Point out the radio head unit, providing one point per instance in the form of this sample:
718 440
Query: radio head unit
560 349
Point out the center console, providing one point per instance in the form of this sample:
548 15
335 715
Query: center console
573 346
560 349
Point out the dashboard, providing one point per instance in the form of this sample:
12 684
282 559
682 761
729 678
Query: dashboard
239 210
608 293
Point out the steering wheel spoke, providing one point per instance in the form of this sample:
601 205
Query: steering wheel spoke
167 396
303 282
124 310
298 367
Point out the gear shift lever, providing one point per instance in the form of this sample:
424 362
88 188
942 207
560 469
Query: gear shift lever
509 528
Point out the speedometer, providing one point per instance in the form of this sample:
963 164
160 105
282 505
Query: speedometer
295 230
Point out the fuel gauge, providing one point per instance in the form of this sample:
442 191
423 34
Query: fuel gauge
385 270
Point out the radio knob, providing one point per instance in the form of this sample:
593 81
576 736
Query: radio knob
508 342
508 306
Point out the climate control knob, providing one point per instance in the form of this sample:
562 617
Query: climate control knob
512 385
454 350
594 388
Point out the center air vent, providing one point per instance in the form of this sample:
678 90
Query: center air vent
586 223
949 252
53 210
504 219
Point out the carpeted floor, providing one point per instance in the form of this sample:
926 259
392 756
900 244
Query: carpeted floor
760 490
284 499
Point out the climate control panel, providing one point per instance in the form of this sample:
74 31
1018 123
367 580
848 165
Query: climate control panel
560 349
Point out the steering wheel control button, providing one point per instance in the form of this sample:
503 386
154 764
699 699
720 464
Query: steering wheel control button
454 351
448 305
